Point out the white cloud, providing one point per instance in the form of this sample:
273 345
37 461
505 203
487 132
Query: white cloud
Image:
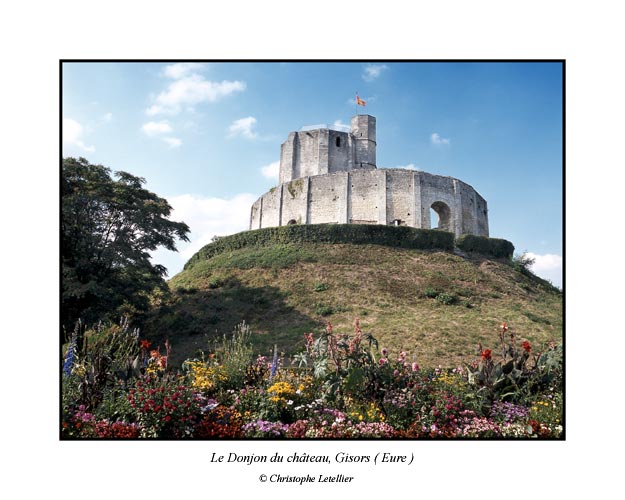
172 142
339 125
243 126
271 171
180 70
207 217
372 71
72 136
436 139
155 128
547 266
190 91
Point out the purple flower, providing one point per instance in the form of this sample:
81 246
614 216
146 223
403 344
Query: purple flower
265 428
70 357
274 364
508 412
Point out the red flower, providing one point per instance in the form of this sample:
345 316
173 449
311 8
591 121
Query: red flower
487 354
527 347
145 344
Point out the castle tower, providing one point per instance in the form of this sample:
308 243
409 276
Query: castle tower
363 132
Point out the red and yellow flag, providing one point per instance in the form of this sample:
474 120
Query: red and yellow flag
359 101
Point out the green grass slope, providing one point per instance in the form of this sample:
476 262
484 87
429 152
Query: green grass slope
435 305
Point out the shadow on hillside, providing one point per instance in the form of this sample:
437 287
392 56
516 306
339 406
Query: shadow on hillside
193 320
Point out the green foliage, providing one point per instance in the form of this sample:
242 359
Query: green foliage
215 282
324 310
446 298
108 228
320 287
493 247
523 263
519 374
103 355
236 355
295 187
430 293
402 237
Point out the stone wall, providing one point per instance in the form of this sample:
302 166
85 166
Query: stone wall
321 151
374 196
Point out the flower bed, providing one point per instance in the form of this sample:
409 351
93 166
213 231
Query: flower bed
337 387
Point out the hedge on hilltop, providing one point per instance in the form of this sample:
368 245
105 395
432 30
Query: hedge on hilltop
493 247
373 234
359 234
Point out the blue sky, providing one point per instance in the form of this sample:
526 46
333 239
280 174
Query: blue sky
207 136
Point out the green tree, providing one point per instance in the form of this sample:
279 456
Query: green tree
108 228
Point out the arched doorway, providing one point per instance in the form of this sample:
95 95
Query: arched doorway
440 216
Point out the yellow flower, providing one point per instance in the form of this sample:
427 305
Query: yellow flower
281 389
205 377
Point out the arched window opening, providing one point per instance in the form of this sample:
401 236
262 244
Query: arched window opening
440 216
292 222
433 219
338 142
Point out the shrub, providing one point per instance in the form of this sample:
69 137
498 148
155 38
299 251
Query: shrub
320 287
324 310
493 247
236 355
215 282
446 298
430 293
95 359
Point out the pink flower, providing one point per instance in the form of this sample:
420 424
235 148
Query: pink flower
415 367
395 373
384 351
382 361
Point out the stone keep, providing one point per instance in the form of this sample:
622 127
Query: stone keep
330 177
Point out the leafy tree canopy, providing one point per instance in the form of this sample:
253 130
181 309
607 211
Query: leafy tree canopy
108 228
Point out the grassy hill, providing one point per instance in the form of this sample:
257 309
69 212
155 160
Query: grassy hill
435 305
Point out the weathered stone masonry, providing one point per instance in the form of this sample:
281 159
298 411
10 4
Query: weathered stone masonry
330 177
